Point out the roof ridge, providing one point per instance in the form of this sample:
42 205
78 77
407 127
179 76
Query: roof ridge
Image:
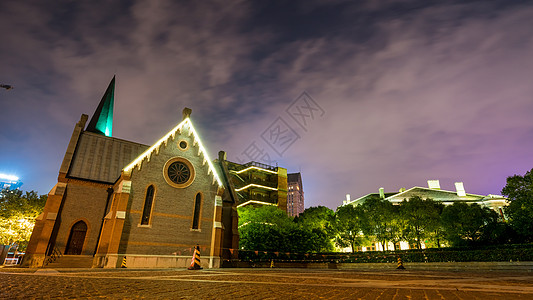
171 134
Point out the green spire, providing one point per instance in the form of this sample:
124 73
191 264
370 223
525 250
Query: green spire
102 120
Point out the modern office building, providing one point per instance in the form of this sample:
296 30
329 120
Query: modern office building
118 201
257 184
295 195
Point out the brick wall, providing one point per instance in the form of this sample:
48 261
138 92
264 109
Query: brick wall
85 202
170 228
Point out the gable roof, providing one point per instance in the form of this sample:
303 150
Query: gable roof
437 195
362 199
186 124
101 158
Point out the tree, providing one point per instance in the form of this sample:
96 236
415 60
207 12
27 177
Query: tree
437 232
465 224
519 190
18 212
381 221
319 221
270 215
421 217
317 217
349 225
264 228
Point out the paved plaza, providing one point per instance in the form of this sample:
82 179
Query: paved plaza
262 284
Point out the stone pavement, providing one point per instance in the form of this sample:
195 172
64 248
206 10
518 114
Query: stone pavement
274 283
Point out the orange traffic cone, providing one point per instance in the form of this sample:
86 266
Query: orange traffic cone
195 263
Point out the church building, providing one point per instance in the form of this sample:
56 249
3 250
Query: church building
120 203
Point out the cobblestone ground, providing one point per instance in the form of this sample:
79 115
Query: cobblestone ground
261 284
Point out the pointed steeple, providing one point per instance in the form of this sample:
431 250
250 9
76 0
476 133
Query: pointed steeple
102 120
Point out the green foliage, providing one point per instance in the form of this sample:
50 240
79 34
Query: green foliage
382 221
264 215
320 222
17 215
414 220
267 228
464 224
422 217
319 217
349 224
519 190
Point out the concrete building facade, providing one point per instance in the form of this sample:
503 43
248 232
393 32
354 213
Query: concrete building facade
258 184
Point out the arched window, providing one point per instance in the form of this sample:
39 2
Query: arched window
147 210
196 214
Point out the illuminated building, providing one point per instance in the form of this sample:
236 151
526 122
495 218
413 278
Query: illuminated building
295 194
9 182
116 199
257 184
434 192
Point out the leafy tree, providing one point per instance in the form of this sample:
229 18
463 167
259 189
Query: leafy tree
436 236
267 228
264 228
499 233
319 217
519 190
18 212
382 221
320 222
264 214
465 224
349 225
421 217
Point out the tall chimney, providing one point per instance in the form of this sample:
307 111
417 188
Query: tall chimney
460 188
186 113
347 199
434 184
381 193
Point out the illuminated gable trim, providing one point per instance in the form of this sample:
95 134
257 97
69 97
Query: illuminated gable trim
172 133
256 185
255 201
254 167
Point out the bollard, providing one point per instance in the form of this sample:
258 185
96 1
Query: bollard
195 262
400 264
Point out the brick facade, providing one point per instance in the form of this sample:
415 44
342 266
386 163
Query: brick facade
111 210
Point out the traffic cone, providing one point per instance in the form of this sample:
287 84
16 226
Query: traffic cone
400 264
123 265
195 263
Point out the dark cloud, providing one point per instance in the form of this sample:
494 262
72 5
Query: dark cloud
412 90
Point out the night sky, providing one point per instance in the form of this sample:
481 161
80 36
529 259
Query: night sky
403 91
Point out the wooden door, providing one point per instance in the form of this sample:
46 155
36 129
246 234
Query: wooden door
76 238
